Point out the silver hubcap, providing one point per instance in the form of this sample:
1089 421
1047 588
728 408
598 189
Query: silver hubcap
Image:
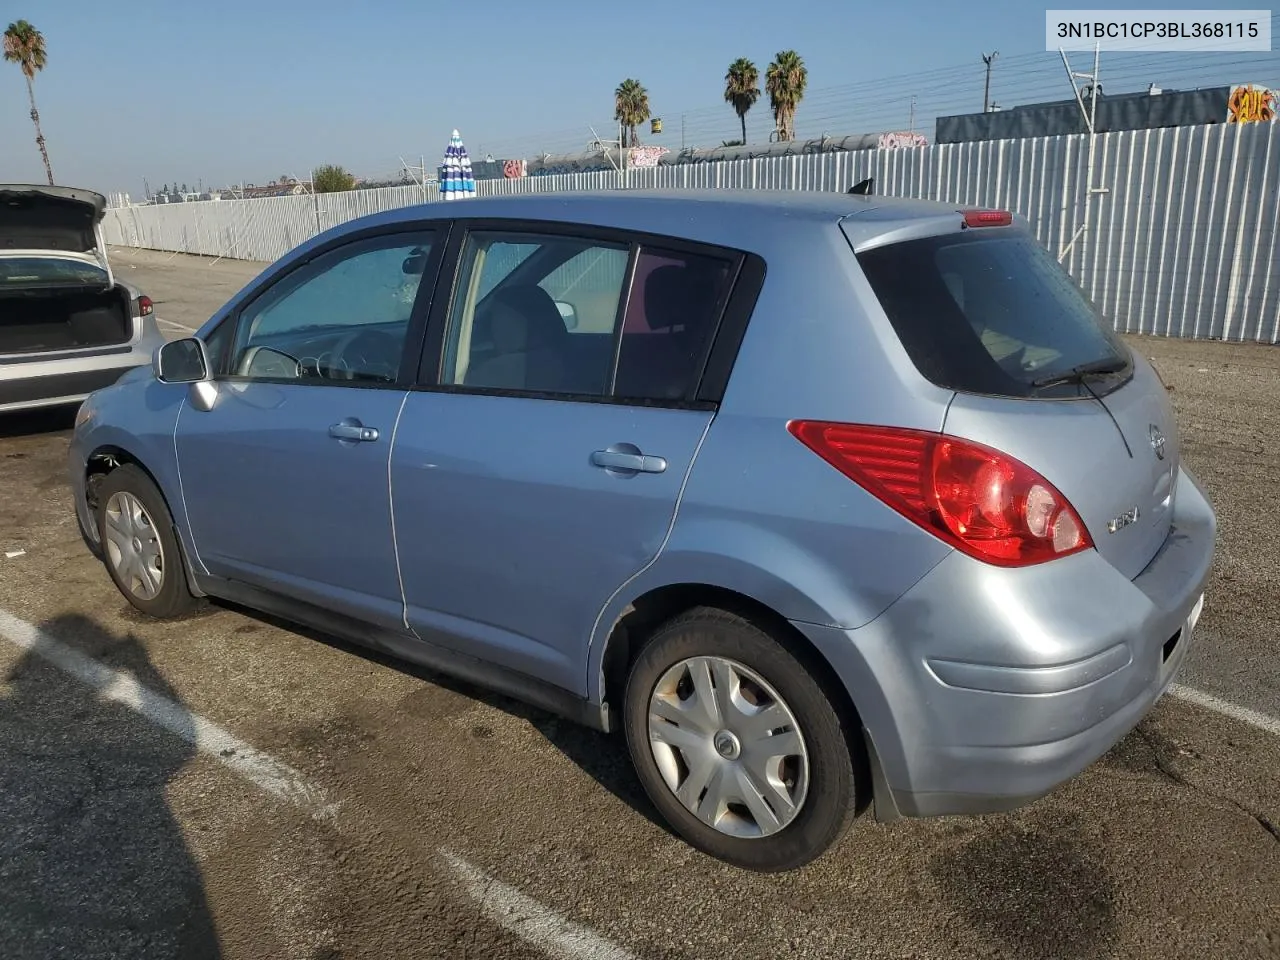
133 546
728 746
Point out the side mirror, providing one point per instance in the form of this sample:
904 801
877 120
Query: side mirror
568 314
182 361
415 263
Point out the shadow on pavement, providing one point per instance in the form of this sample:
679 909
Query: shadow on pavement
603 757
92 862
1034 886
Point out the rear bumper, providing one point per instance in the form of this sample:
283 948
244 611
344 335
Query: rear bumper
30 383
983 689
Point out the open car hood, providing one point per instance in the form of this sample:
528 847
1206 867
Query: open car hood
50 218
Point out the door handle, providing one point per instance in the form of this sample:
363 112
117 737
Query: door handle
628 462
351 431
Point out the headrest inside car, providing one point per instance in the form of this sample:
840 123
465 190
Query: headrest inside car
680 296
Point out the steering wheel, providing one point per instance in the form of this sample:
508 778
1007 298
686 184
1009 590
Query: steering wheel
374 352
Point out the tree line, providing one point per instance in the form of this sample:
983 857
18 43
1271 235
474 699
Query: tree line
785 80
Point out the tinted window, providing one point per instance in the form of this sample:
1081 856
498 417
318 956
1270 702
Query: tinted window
541 315
987 313
217 343
41 271
675 306
343 317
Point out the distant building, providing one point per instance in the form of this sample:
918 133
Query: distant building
252 191
1147 110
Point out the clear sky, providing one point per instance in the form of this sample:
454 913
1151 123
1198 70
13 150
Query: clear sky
234 90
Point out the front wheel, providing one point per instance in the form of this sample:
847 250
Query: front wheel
737 744
139 546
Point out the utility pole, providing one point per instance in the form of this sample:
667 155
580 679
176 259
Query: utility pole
419 172
607 147
913 114
988 59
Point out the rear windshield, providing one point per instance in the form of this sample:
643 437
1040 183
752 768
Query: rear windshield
992 313
48 271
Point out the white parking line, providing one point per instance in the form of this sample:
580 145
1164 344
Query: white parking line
265 772
511 909
1236 712
172 323
530 920
514 911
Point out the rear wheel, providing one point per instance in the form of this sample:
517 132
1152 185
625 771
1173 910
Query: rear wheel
139 546
737 744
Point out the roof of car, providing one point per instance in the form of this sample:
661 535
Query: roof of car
624 203
759 220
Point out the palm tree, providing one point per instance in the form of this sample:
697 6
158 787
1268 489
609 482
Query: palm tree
740 90
630 108
24 45
785 81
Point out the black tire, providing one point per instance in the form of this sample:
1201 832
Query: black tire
174 597
830 803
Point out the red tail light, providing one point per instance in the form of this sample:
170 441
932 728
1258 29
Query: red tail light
981 501
145 306
987 218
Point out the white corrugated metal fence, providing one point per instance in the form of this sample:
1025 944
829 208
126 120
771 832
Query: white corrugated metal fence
1184 243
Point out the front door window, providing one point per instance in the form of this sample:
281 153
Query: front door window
342 318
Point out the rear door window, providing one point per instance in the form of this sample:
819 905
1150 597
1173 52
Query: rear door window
554 314
992 313
534 313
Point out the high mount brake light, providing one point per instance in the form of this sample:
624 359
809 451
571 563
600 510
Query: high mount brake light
987 218
981 501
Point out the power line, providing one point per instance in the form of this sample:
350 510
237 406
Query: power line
862 106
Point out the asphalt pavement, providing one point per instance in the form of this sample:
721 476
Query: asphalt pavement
231 787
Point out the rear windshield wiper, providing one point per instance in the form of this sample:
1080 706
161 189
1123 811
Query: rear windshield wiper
1078 374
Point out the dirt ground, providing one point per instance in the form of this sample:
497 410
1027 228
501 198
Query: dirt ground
441 821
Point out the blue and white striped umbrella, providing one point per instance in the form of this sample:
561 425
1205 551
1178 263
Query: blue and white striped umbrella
456 178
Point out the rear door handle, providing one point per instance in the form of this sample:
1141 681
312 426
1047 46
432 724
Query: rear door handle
351 431
629 462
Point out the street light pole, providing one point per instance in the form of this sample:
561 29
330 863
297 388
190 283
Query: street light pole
988 59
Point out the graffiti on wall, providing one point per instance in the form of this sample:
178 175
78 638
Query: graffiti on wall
645 156
1252 104
892 141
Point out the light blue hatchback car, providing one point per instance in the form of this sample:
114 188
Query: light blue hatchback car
823 500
